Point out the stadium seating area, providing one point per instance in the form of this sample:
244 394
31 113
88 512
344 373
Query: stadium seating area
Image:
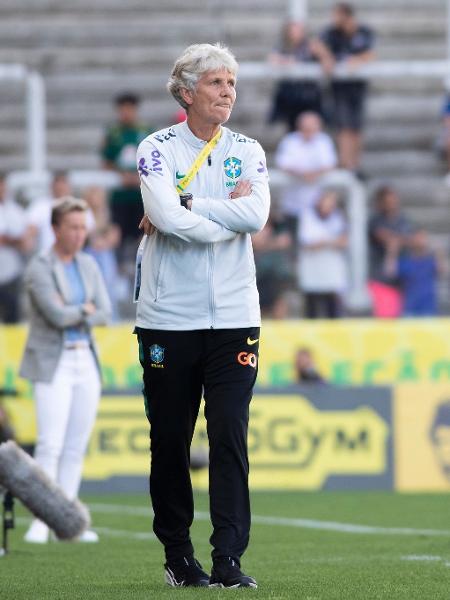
89 51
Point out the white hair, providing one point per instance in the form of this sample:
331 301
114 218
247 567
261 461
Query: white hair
194 62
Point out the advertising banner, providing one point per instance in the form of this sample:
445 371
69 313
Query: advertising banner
422 437
308 439
347 352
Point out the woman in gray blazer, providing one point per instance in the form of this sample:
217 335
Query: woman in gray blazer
67 298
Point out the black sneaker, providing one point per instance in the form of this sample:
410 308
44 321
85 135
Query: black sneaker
186 571
226 573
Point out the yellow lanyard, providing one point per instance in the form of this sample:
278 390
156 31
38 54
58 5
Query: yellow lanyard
198 162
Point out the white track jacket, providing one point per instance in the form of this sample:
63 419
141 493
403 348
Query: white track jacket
198 270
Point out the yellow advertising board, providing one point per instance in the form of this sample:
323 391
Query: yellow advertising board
348 352
326 437
295 441
295 444
422 437
360 351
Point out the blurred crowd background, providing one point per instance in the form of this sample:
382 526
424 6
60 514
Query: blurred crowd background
303 93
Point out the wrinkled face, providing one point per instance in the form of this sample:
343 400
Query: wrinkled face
71 232
213 98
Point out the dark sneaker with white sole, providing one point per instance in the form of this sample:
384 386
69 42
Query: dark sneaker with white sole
226 573
185 572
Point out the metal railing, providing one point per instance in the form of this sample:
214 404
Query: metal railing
35 120
386 69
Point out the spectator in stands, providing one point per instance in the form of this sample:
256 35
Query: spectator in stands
119 154
305 368
14 245
351 45
417 270
103 241
443 141
294 96
306 155
39 213
322 266
274 271
388 225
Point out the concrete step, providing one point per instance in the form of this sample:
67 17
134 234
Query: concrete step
399 108
152 28
388 163
141 55
433 218
364 7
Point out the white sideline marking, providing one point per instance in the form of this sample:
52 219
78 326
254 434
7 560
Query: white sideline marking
108 531
426 558
422 557
122 533
284 522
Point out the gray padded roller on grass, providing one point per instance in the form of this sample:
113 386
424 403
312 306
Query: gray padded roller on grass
23 477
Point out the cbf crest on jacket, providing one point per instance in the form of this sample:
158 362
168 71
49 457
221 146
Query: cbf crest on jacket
198 270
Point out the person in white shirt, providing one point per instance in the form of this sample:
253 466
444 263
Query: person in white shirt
13 248
322 265
305 154
39 213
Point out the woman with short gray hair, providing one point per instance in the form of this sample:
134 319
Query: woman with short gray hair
67 298
193 63
205 190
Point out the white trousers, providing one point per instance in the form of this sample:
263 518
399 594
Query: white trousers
65 411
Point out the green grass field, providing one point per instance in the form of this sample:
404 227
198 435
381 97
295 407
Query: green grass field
299 548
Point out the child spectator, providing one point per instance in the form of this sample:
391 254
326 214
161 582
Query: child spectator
417 270
323 265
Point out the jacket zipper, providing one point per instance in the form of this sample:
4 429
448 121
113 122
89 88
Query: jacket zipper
211 284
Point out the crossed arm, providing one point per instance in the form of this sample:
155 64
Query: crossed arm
209 219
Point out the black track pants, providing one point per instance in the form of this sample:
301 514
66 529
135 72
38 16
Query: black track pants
178 367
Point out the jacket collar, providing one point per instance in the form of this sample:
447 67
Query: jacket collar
59 274
187 135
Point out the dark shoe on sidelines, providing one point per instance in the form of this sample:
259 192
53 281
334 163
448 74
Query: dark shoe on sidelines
185 572
226 573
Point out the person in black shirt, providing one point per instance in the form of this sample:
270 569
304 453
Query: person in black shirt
293 96
351 44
